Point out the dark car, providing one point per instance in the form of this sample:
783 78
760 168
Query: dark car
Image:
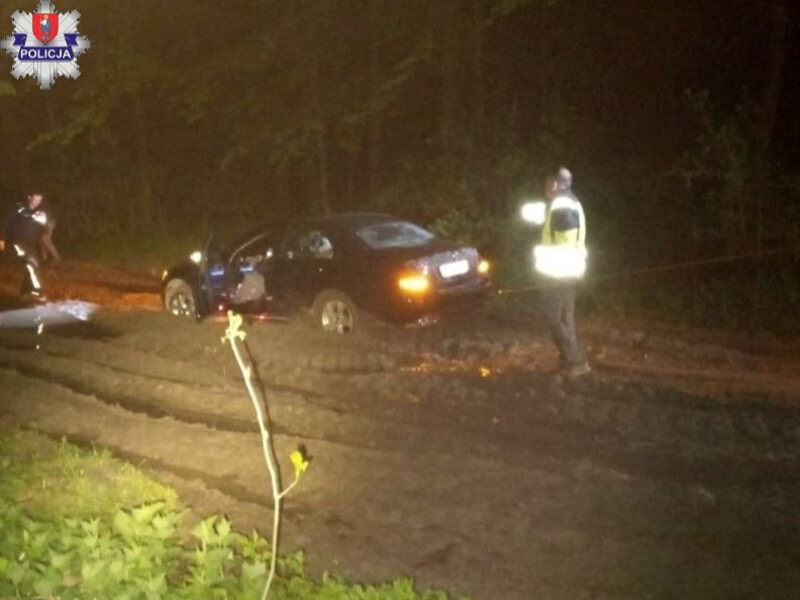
337 266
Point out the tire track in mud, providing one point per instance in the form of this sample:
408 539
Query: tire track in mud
235 459
634 412
551 433
576 491
581 420
291 413
117 388
438 528
640 413
431 493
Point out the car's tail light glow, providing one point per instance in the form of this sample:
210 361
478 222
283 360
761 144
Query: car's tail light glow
483 267
414 284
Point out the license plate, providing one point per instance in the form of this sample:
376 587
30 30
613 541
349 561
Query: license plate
454 269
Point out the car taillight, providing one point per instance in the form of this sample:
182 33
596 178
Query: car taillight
414 284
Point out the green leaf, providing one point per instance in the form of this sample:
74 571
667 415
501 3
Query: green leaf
164 525
145 514
253 570
158 584
45 583
299 462
116 570
16 572
91 572
223 528
60 560
294 563
123 523
204 530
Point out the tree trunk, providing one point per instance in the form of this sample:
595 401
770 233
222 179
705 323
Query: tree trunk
322 165
58 150
478 72
448 68
323 175
780 46
544 69
351 179
284 193
774 70
375 150
143 215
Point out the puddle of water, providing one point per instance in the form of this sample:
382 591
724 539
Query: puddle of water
67 318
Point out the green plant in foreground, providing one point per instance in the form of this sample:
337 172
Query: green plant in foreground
235 335
55 479
82 540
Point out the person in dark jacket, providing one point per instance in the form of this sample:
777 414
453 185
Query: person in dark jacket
25 230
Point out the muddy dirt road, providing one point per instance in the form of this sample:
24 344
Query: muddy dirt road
451 453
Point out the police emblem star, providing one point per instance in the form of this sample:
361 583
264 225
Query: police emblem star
45 45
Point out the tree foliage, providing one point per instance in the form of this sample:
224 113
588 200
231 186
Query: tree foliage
437 110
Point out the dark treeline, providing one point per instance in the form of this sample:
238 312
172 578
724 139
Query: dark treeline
674 116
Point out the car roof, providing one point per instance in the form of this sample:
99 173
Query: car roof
342 220
348 219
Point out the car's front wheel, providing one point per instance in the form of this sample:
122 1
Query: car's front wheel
179 299
335 311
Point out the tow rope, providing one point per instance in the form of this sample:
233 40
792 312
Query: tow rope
660 268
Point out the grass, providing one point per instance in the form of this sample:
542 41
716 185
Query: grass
81 524
54 480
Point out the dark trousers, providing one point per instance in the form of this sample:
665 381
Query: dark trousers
32 281
558 306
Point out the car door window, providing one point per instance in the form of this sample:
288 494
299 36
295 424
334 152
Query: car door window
261 249
308 243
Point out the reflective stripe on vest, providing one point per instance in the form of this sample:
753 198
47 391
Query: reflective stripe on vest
562 253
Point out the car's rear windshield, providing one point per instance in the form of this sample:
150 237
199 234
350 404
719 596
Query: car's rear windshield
394 234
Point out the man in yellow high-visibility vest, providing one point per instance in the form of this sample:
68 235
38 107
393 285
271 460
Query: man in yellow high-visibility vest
561 260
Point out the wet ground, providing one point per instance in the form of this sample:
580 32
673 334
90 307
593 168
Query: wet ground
450 453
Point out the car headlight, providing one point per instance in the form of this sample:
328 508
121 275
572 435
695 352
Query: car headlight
483 267
196 257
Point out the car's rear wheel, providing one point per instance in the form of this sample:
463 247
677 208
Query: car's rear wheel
179 299
335 311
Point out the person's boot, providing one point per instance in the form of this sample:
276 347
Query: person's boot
36 297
